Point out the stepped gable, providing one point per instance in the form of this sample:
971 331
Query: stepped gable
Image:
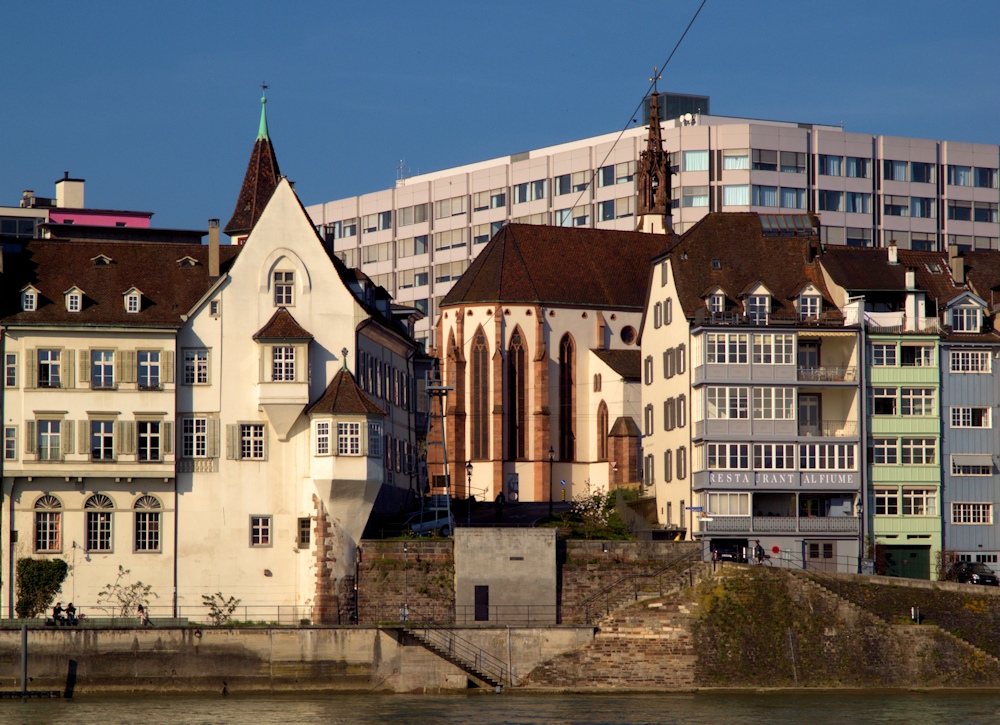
343 397
525 263
259 182
282 326
731 251
171 277
627 363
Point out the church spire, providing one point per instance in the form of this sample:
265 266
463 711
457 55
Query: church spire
653 173
259 182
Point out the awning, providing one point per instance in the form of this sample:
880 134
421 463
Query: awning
972 459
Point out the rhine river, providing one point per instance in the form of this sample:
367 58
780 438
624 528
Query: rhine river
516 709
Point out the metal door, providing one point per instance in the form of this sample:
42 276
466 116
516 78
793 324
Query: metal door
482 603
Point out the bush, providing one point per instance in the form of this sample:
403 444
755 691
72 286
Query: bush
38 582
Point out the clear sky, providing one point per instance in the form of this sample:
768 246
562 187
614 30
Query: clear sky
156 105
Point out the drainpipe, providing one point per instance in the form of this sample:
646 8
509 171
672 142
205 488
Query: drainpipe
863 433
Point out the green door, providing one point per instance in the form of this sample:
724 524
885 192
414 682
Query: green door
909 562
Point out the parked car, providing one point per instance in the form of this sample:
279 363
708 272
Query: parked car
430 519
973 572
729 551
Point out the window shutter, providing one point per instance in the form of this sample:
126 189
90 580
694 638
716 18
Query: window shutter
69 369
119 438
213 437
30 370
129 373
167 437
232 441
83 436
30 439
128 437
167 366
67 429
119 366
84 367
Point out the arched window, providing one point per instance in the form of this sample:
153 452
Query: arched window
480 396
48 524
99 508
517 393
567 398
147 524
602 431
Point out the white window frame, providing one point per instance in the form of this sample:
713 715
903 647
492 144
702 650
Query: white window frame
771 349
29 300
828 457
922 499
196 366
727 403
375 438
962 416
726 347
886 502
149 369
918 451
322 437
970 361
149 439
253 441
10 370
99 524
966 319
965 513
284 288
50 360
102 369
49 439
74 302
885 451
727 456
194 437
10 443
261 531
348 438
283 363
722 503
810 306
146 532
884 355
774 456
774 403
920 400
102 440
132 305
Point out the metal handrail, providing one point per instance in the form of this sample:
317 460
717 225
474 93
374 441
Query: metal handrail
468 652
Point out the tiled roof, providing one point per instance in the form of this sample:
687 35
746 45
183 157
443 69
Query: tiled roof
736 244
169 290
561 266
627 363
343 397
625 427
868 270
282 326
259 183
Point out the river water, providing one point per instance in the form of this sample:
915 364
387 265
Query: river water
516 709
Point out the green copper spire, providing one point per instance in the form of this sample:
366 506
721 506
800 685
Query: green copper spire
262 131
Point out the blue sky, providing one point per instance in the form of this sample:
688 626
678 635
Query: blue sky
156 105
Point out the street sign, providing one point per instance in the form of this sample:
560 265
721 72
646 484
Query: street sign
562 482
694 508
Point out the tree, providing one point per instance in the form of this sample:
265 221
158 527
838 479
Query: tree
38 583
126 597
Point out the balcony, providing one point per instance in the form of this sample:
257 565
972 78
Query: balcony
828 374
829 429
891 323
703 317
779 525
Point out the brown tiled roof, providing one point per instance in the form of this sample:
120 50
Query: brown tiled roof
745 257
259 183
343 397
282 326
868 270
168 290
627 363
624 427
561 266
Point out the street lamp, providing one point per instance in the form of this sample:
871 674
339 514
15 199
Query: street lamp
552 458
468 493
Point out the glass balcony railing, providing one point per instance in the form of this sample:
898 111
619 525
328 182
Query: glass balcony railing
829 428
828 374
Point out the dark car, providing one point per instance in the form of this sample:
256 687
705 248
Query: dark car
974 572
729 551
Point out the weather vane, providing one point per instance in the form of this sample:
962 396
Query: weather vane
655 78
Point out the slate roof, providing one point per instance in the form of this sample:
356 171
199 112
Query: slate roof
169 290
627 363
282 326
343 396
745 257
596 268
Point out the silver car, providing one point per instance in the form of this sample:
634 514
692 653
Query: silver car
431 519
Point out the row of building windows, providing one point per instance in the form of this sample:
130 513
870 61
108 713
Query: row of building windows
102 440
74 300
384 381
775 456
100 369
98 536
674 463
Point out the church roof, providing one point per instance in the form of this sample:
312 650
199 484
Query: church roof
259 183
601 268
627 363
282 326
343 396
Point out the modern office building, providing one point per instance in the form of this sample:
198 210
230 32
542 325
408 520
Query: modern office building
417 238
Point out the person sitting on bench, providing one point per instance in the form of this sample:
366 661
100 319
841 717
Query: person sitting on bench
57 613
71 615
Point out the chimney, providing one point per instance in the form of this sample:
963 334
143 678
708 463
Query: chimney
957 264
911 278
893 253
69 192
213 248
27 199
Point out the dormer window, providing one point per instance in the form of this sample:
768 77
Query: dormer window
101 260
758 307
810 306
717 303
133 301
965 319
29 299
187 262
284 284
74 300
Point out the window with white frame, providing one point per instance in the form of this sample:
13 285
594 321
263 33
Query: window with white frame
194 437
919 502
965 416
774 456
965 319
49 368
722 347
48 524
716 304
102 369
284 286
774 403
99 509
150 444
727 504
322 433
74 302
49 440
349 439
260 531
132 303
10 443
149 369
771 349
958 468
727 403
147 524
283 363
736 159
10 370
810 306
253 441
884 354
648 420
374 438
921 356
29 300
827 456
971 513
102 440
730 456
681 411
196 367
883 401
970 361
918 451
885 450
758 307
886 502
916 401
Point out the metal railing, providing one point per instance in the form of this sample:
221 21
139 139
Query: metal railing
455 648
781 524
99 615
827 374
824 319
829 429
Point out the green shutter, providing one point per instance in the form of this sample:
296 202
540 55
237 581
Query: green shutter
167 366
68 432
167 438
84 367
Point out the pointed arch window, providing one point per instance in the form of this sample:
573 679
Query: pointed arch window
517 389
480 396
567 398
48 524
602 431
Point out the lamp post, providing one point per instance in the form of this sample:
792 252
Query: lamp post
552 458
468 493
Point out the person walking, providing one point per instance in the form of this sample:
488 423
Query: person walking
501 500
144 617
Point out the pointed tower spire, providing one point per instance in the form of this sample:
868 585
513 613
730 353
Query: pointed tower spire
653 173
259 182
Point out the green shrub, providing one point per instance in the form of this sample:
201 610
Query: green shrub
38 582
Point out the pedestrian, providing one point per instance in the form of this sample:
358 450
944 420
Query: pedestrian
144 617
501 500
57 613
71 614
758 553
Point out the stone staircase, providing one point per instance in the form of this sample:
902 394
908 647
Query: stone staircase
644 588
482 667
